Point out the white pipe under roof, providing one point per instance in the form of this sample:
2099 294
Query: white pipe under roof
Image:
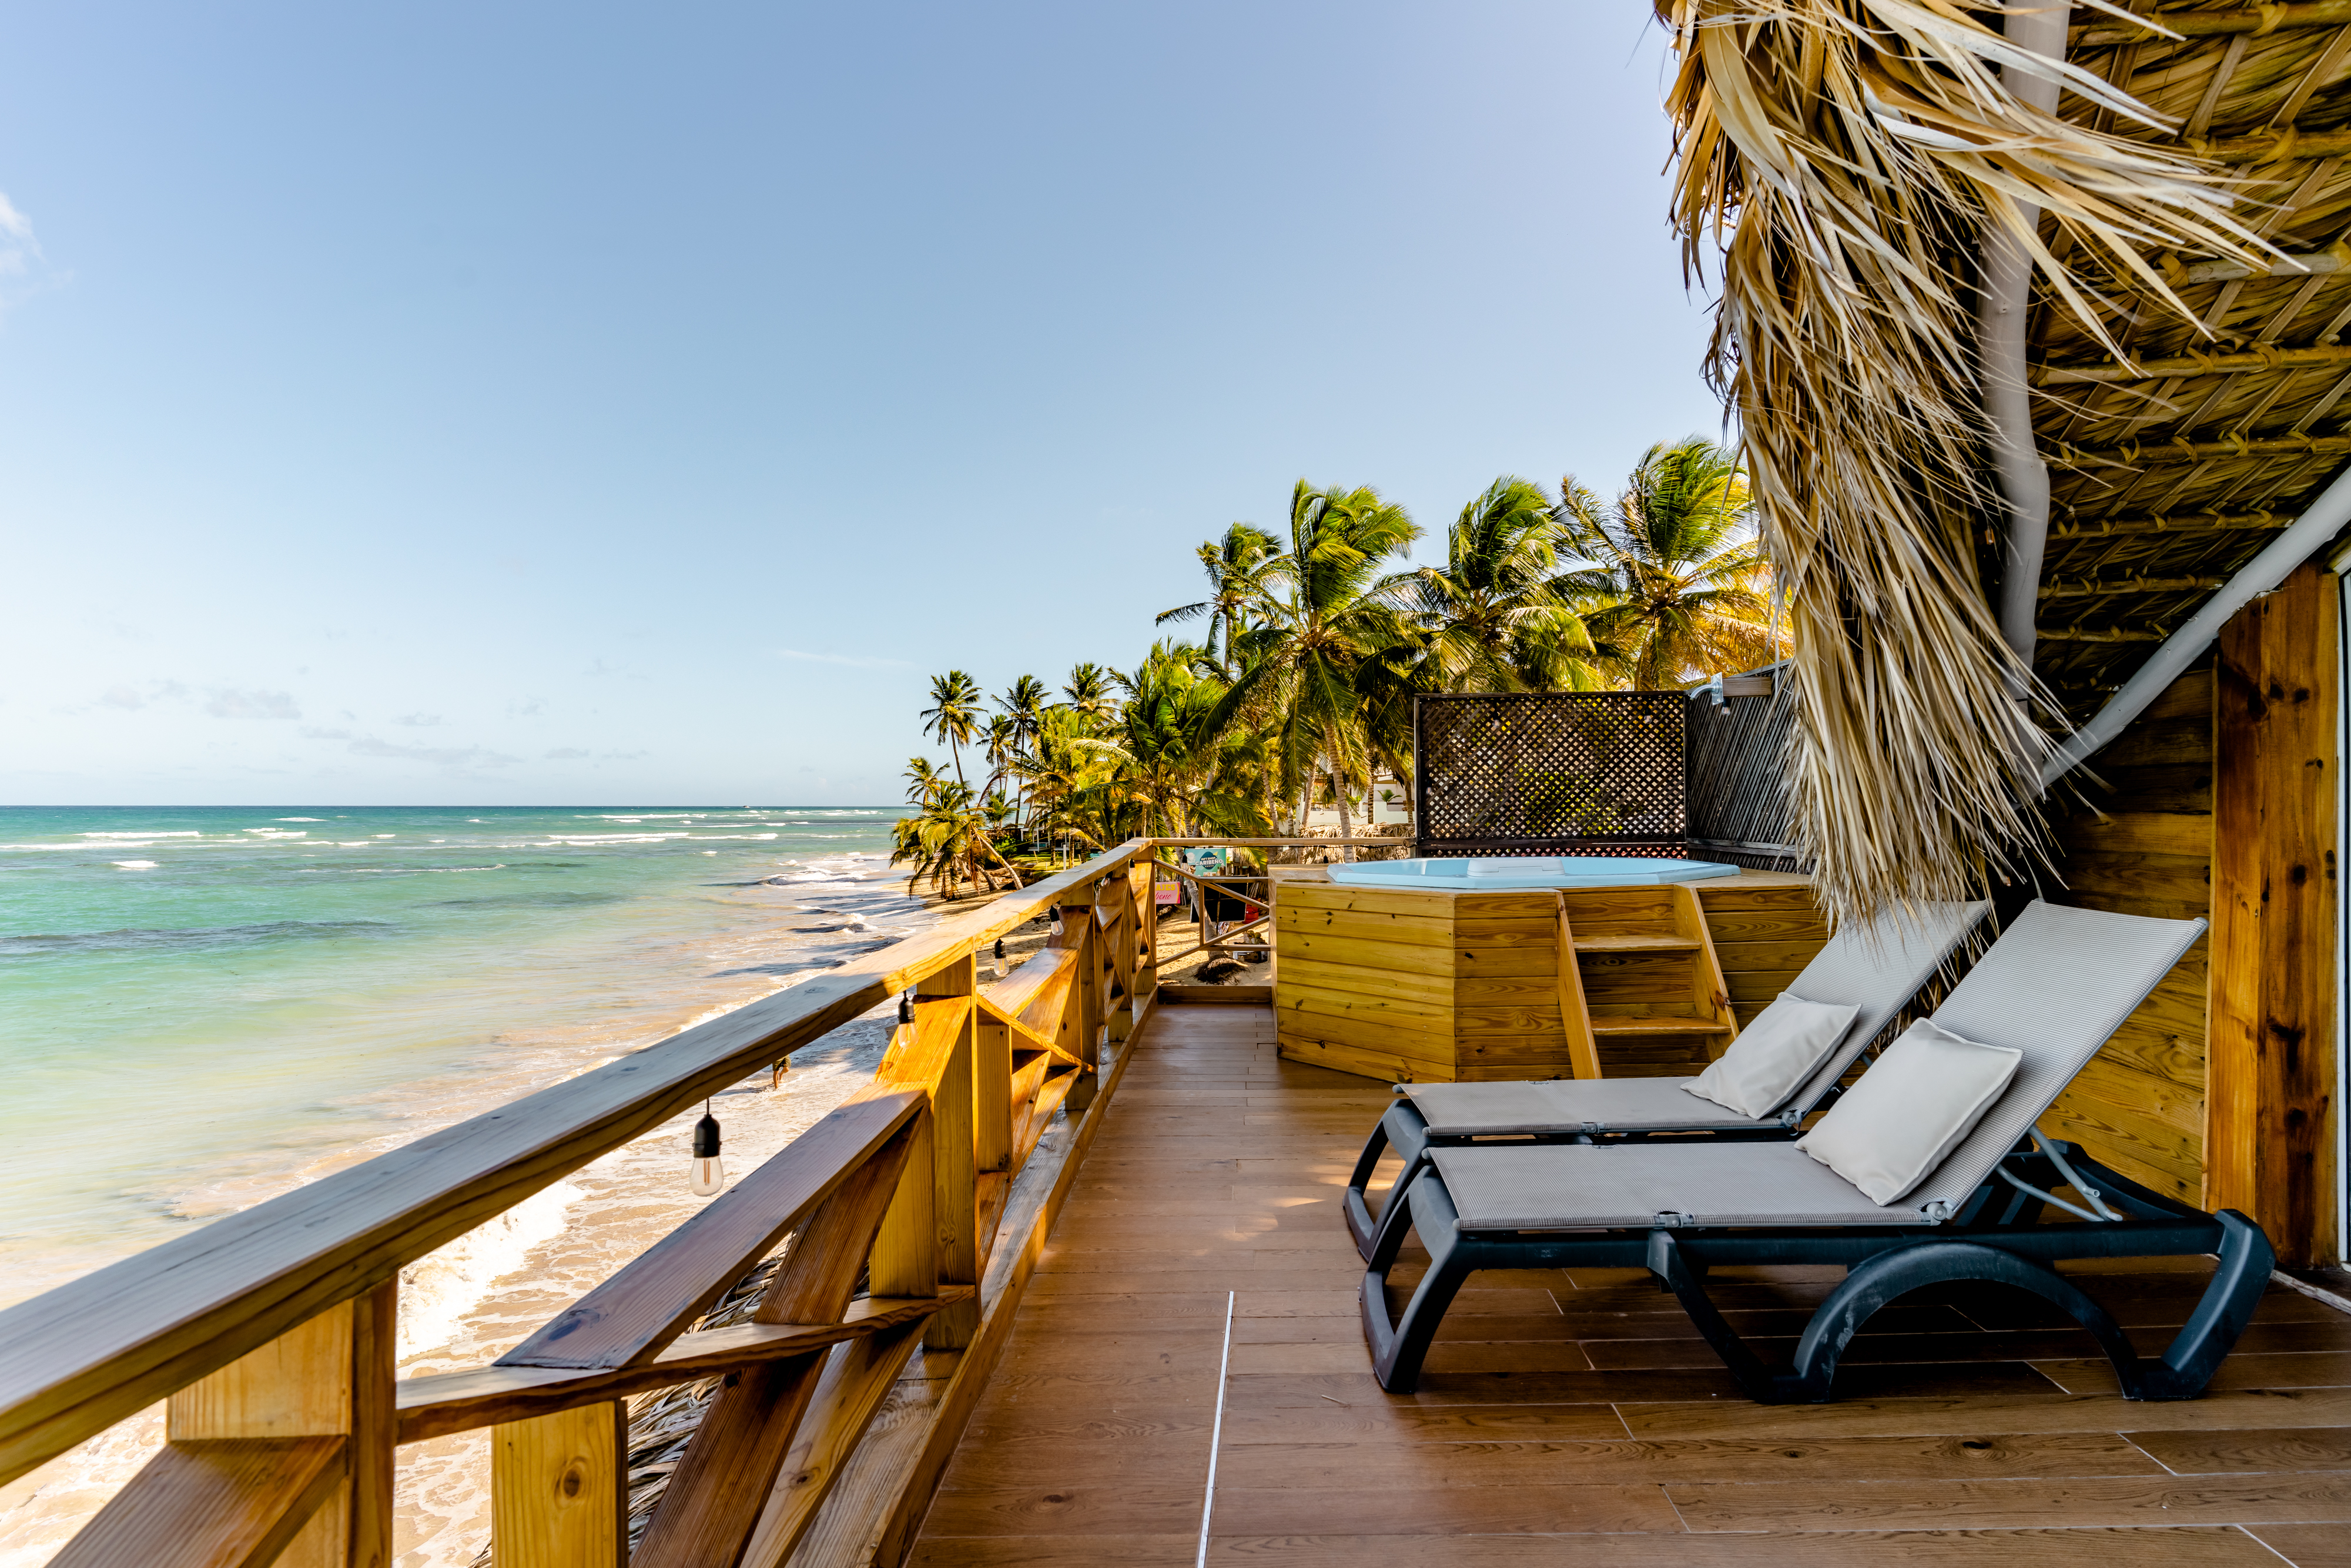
2324 518
2003 309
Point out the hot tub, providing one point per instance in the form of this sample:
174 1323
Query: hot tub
1526 870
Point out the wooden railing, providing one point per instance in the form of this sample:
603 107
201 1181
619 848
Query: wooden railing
909 1217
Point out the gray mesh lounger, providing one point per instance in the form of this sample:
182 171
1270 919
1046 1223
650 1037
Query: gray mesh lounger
1880 968
2056 986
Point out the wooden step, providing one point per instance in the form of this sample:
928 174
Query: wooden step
1585 942
1605 1023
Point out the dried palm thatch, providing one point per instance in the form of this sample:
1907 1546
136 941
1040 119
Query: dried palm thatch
1847 159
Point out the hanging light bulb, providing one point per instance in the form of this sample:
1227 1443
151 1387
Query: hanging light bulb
999 946
709 1170
906 1007
1057 922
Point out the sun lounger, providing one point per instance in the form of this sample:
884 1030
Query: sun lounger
2055 986
1881 967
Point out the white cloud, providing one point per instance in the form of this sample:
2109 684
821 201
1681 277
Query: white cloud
231 702
566 754
23 268
131 698
856 661
445 756
419 720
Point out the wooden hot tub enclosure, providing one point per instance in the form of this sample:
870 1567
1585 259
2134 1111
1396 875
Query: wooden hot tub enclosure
1414 986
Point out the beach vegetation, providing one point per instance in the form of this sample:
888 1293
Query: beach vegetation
1313 642
954 716
1680 588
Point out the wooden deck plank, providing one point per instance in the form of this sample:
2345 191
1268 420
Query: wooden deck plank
1573 1415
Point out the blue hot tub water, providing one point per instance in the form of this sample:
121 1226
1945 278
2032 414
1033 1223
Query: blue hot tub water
1493 875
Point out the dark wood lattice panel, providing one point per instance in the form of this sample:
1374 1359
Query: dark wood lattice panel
1549 773
1737 779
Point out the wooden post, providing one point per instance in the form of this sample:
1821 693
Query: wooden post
559 1489
906 1260
955 1157
2269 1096
1119 892
991 1097
331 1376
1082 1015
1146 979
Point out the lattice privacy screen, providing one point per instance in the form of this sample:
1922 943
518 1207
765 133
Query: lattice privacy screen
1737 779
1549 773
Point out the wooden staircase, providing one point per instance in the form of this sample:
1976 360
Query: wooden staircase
1640 990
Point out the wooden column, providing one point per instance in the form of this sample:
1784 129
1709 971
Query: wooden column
1086 1010
1146 977
1119 894
2270 1103
955 1158
330 1378
560 1490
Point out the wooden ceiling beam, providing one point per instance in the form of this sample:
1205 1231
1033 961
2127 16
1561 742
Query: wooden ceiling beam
2141 454
2314 356
2086 586
2103 634
2172 523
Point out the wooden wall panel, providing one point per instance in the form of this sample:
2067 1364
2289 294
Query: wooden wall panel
2141 844
1762 937
2270 1128
1394 984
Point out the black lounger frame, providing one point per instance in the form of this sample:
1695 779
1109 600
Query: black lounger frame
1403 1128
1996 1238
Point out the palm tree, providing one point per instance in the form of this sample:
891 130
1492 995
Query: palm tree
1235 566
1023 702
1326 641
1000 745
946 838
954 715
1178 769
1678 586
950 832
1089 691
1495 617
1064 777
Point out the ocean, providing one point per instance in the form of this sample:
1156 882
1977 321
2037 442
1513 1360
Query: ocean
203 1007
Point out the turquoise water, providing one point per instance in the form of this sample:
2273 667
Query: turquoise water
200 1006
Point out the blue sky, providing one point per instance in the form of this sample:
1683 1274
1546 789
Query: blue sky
586 403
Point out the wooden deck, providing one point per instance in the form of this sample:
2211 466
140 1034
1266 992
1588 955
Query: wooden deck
1570 1417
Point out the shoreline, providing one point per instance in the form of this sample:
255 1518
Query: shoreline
470 1301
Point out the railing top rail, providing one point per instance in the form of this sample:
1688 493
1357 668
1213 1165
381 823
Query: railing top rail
1387 843
95 1350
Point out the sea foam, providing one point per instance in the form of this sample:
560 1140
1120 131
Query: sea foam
439 1289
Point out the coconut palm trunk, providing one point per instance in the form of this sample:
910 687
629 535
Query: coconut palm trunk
1338 793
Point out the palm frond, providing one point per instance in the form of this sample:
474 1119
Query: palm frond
1840 161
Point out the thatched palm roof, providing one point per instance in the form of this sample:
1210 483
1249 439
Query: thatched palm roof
1857 161
2172 468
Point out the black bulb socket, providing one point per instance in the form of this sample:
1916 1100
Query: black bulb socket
705 1137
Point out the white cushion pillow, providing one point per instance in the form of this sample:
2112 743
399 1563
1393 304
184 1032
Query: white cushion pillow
1910 1110
1774 1055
